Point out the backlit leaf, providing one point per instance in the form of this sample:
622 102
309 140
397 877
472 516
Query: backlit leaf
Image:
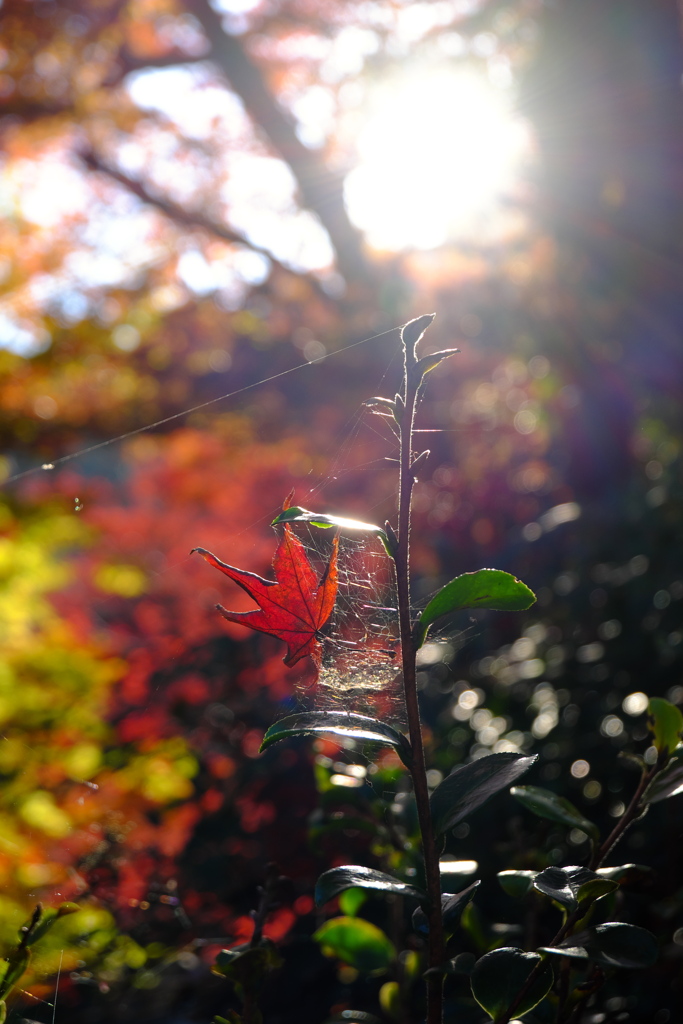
548 805
666 723
356 942
486 588
516 883
294 606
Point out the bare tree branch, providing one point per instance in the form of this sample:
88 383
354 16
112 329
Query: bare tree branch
321 189
189 218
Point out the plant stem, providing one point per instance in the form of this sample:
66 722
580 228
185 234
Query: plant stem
437 952
633 811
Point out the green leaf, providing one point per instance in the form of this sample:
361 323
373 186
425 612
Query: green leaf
452 907
351 900
594 889
487 588
499 975
357 942
295 514
627 874
336 880
471 785
612 945
516 883
548 805
669 782
573 886
666 723
339 723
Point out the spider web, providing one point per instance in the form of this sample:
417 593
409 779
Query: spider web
361 663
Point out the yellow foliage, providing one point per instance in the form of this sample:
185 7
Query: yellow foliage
40 811
124 580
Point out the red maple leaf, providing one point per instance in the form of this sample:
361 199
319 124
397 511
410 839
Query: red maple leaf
295 606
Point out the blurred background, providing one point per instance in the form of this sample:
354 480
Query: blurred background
227 208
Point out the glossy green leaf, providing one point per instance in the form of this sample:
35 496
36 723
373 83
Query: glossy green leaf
357 943
573 885
471 785
452 907
336 880
666 723
627 874
338 723
517 883
612 945
499 975
487 588
295 514
594 889
548 805
667 783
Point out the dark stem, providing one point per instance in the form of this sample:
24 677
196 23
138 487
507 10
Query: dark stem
266 902
633 811
437 951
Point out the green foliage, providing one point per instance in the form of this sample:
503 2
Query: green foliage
555 808
613 944
499 976
471 785
452 908
486 588
336 880
575 888
295 514
666 722
517 883
357 943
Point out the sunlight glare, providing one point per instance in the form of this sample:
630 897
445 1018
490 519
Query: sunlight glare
437 154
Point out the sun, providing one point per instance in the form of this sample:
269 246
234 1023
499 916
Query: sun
436 155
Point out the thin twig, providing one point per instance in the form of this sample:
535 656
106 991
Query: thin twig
418 772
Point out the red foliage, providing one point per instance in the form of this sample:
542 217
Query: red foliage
295 607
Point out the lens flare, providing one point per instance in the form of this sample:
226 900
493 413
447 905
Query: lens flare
436 156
